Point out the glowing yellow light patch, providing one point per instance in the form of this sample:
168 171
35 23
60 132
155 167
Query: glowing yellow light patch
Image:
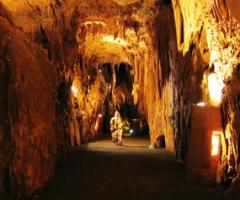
215 143
117 41
74 91
215 87
214 56
94 22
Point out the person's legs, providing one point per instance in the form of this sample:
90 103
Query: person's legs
114 137
120 141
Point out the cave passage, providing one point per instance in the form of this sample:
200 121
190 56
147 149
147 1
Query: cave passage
119 99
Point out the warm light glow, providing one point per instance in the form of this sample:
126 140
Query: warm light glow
74 91
201 104
214 56
215 143
96 126
98 121
94 22
215 87
117 41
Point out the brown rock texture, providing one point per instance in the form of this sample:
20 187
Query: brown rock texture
28 139
200 162
220 19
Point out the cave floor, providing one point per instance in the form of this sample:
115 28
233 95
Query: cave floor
101 170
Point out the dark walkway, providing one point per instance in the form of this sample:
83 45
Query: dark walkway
102 171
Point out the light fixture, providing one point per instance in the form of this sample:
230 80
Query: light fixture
98 122
215 86
74 90
201 104
131 131
215 143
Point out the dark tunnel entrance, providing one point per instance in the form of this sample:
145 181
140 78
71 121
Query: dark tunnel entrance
122 78
107 89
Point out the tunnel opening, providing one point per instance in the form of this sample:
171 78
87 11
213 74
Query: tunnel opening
123 91
124 76
120 99
134 123
109 89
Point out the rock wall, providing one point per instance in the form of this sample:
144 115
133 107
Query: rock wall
220 20
4 126
28 139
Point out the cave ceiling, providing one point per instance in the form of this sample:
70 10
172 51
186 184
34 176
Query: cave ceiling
115 31
120 30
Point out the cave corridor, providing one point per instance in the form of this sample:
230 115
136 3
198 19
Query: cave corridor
119 99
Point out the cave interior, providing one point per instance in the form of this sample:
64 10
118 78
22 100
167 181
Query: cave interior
171 68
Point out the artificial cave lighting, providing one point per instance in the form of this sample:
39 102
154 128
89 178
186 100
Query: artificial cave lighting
98 122
215 87
215 143
74 91
201 104
117 40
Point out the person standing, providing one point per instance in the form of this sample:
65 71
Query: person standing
116 128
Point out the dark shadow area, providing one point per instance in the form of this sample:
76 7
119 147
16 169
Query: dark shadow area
123 76
91 174
107 72
133 123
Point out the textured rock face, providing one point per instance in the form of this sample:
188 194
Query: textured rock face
200 164
28 141
220 19
4 126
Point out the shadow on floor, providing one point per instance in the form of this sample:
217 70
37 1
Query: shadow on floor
102 170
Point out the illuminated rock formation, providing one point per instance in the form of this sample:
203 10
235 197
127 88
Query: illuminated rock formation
28 140
221 22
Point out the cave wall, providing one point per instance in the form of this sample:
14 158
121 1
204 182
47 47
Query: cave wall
28 138
176 76
4 131
220 22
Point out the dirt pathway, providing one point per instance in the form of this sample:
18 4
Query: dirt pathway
103 171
